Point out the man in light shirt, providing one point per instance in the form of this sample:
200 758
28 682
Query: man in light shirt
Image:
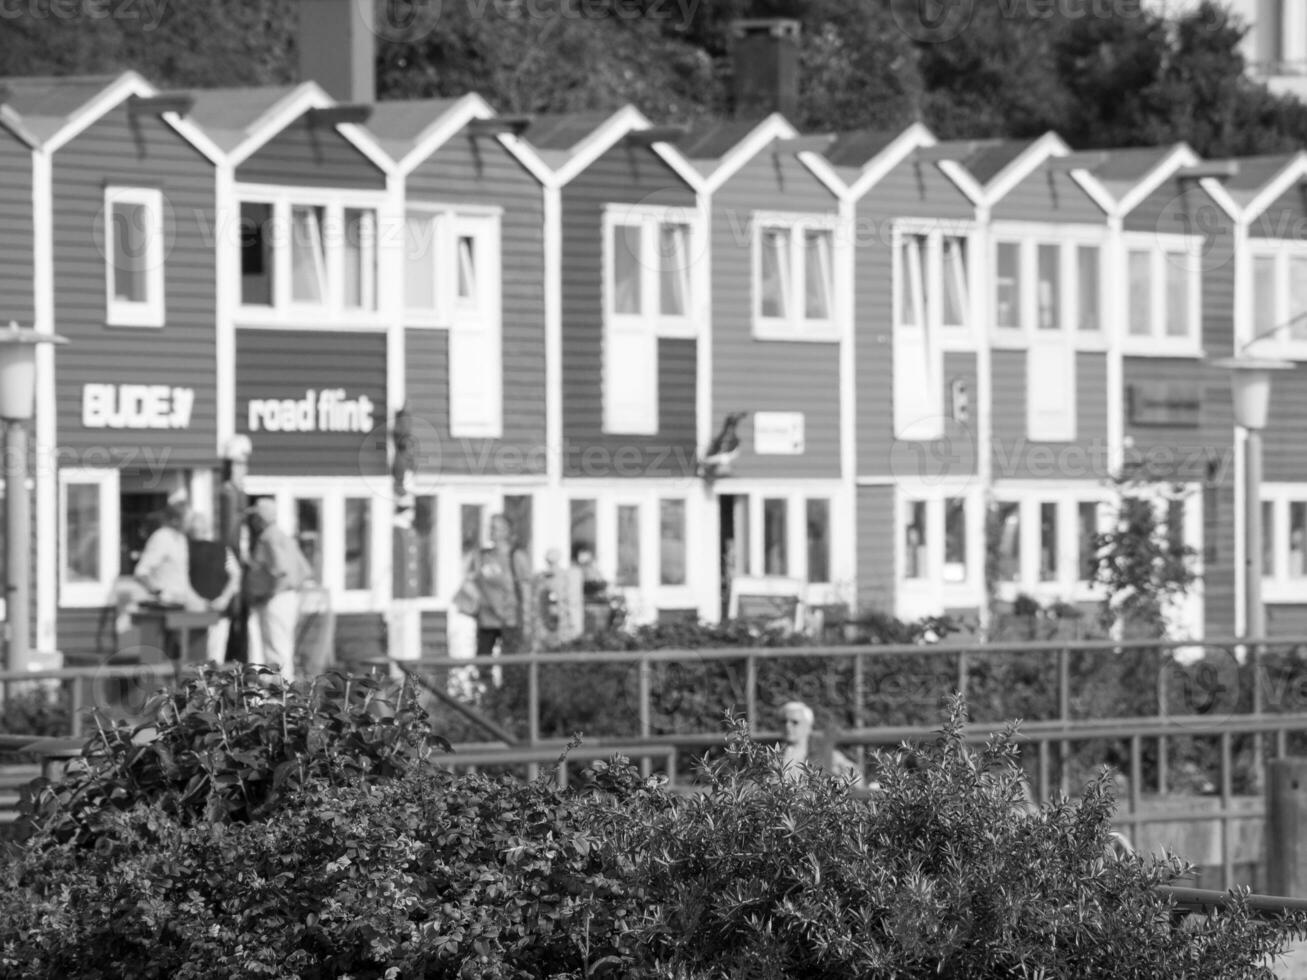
277 570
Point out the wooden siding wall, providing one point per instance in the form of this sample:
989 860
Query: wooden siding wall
761 375
480 172
16 299
876 569
307 155
1017 457
140 151
435 636
82 639
628 175
1286 620
919 191
360 636
1048 195
284 364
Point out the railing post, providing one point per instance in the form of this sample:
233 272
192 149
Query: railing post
963 673
751 692
533 711
1259 755
859 697
1064 716
76 704
1163 694
646 712
1227 858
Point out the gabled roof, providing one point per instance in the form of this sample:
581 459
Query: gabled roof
710 140
45 105
1121 170
986 159
1254 174
859 147
557 137
229 115
400 126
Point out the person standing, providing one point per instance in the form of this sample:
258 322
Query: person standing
164 565
216 578
232 532
797 720
502 574
277 570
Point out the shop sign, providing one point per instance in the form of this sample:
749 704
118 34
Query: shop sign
778 433
135 406
1167 403
328 410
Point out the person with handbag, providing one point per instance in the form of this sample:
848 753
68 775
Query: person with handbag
277 570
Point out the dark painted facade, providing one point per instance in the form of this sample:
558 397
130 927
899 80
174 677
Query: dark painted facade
752 375
625 174
307 154
481 173
16 300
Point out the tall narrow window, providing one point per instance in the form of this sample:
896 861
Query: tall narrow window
775 273
818 514
466 275
817 275
308 532
671 555
1141 293
358 543
519 510
1049 295
424 534
1048 562
360 259
472 528
134 257
1007 300
475 356
1269 537
673 269
628 545
626 269
955 282
1297 312
1297 538
421 262
955 539
257 264
82 520
1087 533
775 537
1088 287
915 541
1177 294
1266 307
914 296
1008 543
308 258
584 527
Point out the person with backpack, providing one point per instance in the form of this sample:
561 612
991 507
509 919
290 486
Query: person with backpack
277 570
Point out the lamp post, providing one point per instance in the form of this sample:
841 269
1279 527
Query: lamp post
17 397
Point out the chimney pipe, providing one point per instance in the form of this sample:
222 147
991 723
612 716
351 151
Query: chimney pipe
337 46
766 67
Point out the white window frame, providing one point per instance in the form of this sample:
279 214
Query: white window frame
839 555
286 313
649 323
796 325
931 593
1282 252
1281 586
436 242
482 321
131 313
332 492
1157 343
1028 237
933 337
91 595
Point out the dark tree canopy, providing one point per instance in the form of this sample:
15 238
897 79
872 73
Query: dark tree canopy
997 68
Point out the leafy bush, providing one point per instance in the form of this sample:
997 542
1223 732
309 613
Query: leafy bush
37 709
946 873
230 743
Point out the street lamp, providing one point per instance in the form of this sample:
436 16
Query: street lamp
1250 379
17 397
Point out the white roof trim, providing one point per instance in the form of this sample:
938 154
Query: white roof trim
1095 190
443 129
772 128
600 141
1181 156
963 180
125 85
824 172
1294 171
898 150
13 123
684 169
1025 163
527 157
1216 190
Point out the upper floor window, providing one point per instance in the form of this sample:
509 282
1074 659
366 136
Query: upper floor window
649 294
1046 282
134 257
794 278
308 254
1280 299
1164 296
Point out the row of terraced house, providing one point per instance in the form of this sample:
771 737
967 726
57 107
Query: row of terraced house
936 353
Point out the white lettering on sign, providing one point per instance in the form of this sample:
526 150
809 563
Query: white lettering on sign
778 433
318 411
108 406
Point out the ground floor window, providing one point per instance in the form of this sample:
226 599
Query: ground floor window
1284 538
89 558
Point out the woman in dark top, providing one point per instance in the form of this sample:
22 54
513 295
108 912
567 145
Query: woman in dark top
502 574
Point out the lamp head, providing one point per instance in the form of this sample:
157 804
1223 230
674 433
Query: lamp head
18 370
1250 379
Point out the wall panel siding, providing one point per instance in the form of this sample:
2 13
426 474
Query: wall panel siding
16 301
762 375
875 555
1048 195
435 636
306 155
1218 556
480 172
1181 451
360 636
143 152
1018 458
1286 620
631 175
86 635
915 190
1284 455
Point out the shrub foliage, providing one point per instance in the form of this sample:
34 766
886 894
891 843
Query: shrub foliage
418 872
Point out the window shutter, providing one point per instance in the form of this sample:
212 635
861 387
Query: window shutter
630 376
1051 391
475 365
